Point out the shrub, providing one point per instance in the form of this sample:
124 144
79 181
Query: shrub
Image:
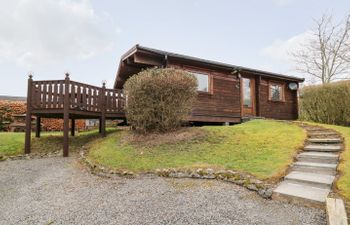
10 108
159 99
57 124
328 103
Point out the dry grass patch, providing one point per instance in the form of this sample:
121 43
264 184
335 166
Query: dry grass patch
153 139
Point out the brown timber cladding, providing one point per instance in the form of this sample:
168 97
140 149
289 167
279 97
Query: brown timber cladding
223 102
227 83
285 110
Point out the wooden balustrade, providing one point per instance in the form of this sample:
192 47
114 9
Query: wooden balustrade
83 97
71 100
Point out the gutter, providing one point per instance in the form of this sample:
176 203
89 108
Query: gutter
220 65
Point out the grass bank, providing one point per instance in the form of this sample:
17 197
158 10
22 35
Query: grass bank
262 148
13 143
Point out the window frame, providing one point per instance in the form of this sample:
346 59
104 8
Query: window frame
282 85
201 72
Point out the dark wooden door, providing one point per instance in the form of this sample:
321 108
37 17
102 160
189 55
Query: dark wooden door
248 96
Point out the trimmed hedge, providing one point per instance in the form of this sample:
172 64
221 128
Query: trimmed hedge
9 108
159 99
328 103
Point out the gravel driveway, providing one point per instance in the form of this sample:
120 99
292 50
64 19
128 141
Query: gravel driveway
59 191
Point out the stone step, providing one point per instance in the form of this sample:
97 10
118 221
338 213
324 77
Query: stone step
312 179
323 148
315 129
336 212
320 168
322 133
301 194
325 140
318 157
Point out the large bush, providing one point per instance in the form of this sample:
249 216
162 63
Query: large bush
328 103
159 99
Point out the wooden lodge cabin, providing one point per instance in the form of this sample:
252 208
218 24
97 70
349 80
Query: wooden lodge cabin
227 93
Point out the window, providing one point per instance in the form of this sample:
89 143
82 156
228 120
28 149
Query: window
247 97
276 92
203 81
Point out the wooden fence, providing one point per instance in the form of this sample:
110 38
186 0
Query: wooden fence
65 97
49 94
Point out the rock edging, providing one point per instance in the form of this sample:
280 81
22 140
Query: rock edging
264 189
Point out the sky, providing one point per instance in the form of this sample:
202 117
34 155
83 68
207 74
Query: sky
87 37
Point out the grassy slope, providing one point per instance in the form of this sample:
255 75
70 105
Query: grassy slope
13 143
260 147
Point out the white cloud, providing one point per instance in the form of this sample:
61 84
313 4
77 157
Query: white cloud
279 50
282 2
39 32
277 55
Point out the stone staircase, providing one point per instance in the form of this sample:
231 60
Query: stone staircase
312 175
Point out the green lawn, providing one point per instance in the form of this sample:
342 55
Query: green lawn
13 143
263 148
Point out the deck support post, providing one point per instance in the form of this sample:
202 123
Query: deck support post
99 126
103 111
66 117
28 116
38 127
72 131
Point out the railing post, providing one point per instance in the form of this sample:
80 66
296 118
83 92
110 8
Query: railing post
103 110
119 99
28 116
66 106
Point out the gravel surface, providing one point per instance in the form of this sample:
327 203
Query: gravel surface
59 191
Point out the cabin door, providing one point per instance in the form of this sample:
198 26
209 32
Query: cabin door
248 97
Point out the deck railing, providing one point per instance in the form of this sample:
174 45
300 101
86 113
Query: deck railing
49 94
72 100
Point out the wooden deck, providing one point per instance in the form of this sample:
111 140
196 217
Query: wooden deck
71 100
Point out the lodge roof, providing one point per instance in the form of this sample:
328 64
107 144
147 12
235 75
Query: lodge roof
206 62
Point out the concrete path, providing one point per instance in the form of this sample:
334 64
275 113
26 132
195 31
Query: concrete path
59 191
312 175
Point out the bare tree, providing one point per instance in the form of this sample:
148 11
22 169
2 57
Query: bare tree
326 55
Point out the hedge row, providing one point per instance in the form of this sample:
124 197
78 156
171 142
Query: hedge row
328 103
10 108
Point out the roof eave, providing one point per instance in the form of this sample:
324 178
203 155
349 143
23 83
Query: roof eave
219 64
